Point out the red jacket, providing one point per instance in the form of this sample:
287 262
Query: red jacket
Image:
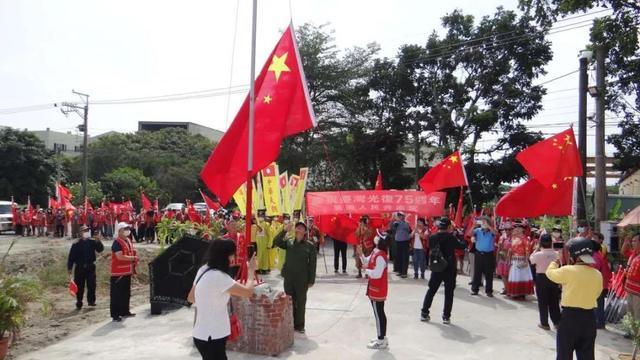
123 267
632 283
377 288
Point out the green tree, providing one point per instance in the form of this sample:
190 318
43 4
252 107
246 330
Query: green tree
27 167
126 183
619 33
94 193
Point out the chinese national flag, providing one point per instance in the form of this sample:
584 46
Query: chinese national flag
146 203
53 204
447 174
554 158
339 227
211 204
282 108
533 199
379 181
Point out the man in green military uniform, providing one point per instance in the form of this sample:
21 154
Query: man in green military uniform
299 270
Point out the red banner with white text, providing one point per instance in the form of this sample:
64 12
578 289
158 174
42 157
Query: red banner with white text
375 202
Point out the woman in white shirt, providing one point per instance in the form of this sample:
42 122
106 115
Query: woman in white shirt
210 293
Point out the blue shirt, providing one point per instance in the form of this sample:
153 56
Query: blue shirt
485 240
403 231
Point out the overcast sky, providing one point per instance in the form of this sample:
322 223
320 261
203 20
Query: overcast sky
126 49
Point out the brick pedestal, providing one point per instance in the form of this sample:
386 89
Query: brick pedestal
267 323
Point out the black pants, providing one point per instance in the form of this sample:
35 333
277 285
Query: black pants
213 349
485 264
577 333
59 230
381 318
85 274
120 294
548 294
339 250
448 276
150 233
403 257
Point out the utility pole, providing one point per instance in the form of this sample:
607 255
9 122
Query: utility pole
585 58
66 108
601 184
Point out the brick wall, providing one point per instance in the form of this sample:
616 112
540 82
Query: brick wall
267 323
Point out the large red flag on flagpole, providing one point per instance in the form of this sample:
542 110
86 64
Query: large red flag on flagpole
211 204
446 174
533 199
146 203
282 108
555 158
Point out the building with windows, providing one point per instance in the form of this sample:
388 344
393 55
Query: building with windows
66 143
192 128
630 183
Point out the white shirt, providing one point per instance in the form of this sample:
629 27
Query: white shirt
376 273
542 258
417 244
212 297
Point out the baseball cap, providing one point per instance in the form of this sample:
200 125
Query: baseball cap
120 226
84 228
581 248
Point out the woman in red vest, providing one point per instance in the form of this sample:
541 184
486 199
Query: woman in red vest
123 262
376 269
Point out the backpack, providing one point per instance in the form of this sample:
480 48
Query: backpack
437 262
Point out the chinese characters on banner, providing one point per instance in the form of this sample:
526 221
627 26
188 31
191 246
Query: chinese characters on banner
375 202
270 177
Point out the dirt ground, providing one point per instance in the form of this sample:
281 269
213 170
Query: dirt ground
45 258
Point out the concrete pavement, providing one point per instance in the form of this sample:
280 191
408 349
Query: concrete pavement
340 323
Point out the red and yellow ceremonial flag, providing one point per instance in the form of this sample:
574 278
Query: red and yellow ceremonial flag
294 182
259 194
240 197
446 174
301 188
271 187
554 158
284 193
282 108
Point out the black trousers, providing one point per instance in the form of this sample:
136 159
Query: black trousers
59 230
150 233
120 294
381 318
403 257
213 349
485 264
297 289
85 275
448 276
339 250
577 333
548 294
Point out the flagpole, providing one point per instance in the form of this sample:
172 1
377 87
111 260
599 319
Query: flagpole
252 90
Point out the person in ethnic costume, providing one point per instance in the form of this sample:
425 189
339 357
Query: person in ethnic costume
520 281
504 246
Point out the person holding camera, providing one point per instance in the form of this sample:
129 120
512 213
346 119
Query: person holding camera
442 263
484 239
299 269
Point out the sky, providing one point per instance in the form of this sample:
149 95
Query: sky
129 49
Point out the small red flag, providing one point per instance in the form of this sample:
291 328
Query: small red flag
146 203
447 174
458 218
533 199
73 288
211 204
282 108
379 181
554 158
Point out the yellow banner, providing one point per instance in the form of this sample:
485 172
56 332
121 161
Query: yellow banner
285 193
271 190
240 197
302 187
294 181
259 195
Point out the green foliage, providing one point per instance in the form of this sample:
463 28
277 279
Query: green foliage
548 222
615 213
170 231
94 193
126 183
170 158
16 292
632 326
27 167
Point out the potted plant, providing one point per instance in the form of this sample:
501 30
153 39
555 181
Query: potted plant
16 292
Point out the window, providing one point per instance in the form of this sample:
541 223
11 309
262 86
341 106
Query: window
59 147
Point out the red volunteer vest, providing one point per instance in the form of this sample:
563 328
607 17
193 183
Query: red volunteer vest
377 288
122 267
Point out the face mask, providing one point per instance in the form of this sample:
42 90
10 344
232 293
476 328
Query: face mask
286 221
126 232
86 235
556 234
580 229
485 226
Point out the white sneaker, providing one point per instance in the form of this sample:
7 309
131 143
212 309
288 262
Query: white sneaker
378 344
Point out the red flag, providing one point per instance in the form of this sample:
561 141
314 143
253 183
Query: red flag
73 288
339 227
554 158
146 203
282 108
192 213
53 204
447 174
379 181
156 206
458 218
533 199
211 204
64 193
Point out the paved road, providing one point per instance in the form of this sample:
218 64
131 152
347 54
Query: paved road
340 323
